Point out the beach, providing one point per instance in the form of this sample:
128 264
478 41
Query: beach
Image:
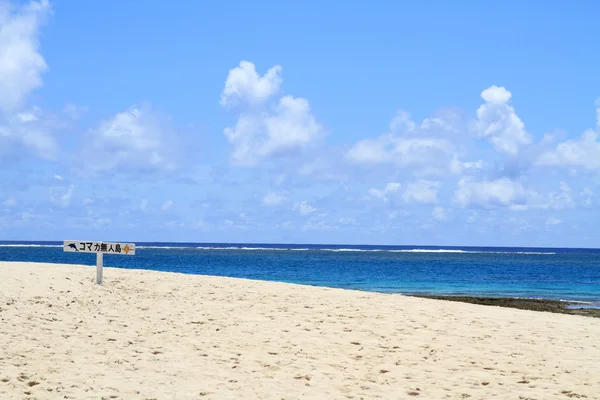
157 335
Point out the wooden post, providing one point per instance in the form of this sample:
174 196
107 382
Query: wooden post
99 259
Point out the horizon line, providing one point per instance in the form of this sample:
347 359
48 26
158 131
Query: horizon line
16 241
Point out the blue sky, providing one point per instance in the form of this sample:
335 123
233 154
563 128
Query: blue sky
373 123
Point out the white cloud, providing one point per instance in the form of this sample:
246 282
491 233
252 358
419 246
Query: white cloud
398 213
318 226
289 126
498 193
21 64
561 200
553 221
436 145
304 208
166 205
388 148
439 214
244 85
26 117
135 139
583 152
61 196
59 178
21 69
498 122
273 199
390 188
422 192
10 202
408 145
457 167
31 129
267 130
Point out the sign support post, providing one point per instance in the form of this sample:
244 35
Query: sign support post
100 248
99 259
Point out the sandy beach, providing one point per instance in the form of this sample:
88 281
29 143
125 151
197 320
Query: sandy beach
152 335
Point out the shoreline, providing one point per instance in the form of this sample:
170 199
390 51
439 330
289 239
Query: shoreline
539 305
494 299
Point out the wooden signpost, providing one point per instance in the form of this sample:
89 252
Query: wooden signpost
100 248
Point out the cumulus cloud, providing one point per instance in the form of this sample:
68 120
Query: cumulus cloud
561 200
263 128
422 192
136 139
390 188
166 205
583 152
21 64
318 226
438 145
304 208
407 144
244 86
457 167
498 122
273 199
31 130
388 148
553 221
498 193
347 221
21 69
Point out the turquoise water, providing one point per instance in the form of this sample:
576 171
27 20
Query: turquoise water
565 274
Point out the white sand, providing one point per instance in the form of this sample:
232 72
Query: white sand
144 335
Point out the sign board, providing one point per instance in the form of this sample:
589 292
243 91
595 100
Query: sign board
76 246
100 248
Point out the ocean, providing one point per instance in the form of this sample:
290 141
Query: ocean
545 273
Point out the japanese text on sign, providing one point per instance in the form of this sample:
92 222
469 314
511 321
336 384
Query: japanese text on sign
99 247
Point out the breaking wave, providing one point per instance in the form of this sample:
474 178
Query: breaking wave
341 250
324 249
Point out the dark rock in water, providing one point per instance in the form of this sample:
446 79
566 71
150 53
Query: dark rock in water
555 306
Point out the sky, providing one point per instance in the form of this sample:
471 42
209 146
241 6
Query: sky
400 123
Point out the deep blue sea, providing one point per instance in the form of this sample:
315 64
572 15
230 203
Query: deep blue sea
565 274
